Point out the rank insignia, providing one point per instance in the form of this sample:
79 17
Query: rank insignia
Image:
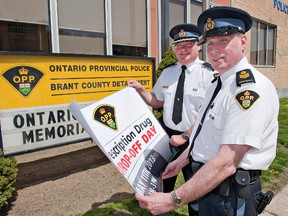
246 99
244 76
105 114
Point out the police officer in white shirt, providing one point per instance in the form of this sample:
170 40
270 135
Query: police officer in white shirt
198 76
236 134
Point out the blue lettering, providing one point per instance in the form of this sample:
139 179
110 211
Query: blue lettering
281 6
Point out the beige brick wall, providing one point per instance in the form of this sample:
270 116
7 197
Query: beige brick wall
264 11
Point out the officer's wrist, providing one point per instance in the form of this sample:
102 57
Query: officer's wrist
176 199
185 135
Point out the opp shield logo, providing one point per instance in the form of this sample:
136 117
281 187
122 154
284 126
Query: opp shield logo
105 114
23 78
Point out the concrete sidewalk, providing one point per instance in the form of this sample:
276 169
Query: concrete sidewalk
279 204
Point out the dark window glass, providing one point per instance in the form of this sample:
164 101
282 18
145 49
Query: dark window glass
129 50
254 44
24 37
262 44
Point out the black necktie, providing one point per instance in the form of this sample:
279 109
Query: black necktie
178 100
217 89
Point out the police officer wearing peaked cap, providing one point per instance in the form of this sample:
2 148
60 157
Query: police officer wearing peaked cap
198 76
235 134
200 73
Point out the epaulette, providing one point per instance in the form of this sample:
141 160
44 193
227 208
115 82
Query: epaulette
208 65
169 65
244 76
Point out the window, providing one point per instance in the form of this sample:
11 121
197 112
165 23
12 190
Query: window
82 26
23 29
23 37
262 44
129 28
173 12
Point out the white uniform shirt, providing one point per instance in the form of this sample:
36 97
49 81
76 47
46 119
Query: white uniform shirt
197 79
227 122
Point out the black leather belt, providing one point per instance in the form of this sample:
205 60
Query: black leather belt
254 174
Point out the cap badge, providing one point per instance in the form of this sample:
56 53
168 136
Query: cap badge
182 33
209 24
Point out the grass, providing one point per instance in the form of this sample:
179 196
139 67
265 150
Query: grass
272 179
276 176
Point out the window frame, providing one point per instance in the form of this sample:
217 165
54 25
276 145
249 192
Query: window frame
257 37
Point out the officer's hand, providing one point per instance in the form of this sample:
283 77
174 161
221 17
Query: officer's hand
156 203
177 140
135 84
172 169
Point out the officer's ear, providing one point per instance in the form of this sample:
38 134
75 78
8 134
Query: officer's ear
243 40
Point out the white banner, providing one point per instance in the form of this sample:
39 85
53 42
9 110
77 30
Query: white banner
131 137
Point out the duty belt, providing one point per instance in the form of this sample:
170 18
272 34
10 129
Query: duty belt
242 178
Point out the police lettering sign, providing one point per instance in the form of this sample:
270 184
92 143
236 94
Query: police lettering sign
36 90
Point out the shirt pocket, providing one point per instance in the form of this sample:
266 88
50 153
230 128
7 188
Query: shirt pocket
214 119
168 94
196 96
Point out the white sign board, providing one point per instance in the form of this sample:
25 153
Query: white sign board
131 137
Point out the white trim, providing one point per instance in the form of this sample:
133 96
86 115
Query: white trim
148 9
54 26
108 27
188 9
159 31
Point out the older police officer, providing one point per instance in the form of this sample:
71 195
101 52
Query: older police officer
195 76
237 127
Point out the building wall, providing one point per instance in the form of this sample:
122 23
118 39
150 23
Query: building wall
221 2
154 32
266 12
154 39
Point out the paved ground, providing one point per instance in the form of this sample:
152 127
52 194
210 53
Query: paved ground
65 181
278 205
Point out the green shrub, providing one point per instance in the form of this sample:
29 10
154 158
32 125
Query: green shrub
168 59
8 173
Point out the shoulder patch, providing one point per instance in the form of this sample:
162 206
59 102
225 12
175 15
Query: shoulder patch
208 65
246 98
244 76
169 65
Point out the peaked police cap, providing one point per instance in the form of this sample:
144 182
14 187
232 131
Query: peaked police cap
184 32
222 21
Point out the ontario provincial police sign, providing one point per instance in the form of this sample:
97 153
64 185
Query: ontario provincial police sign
37 89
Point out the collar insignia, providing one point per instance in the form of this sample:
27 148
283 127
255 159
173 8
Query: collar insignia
246 99
244 76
